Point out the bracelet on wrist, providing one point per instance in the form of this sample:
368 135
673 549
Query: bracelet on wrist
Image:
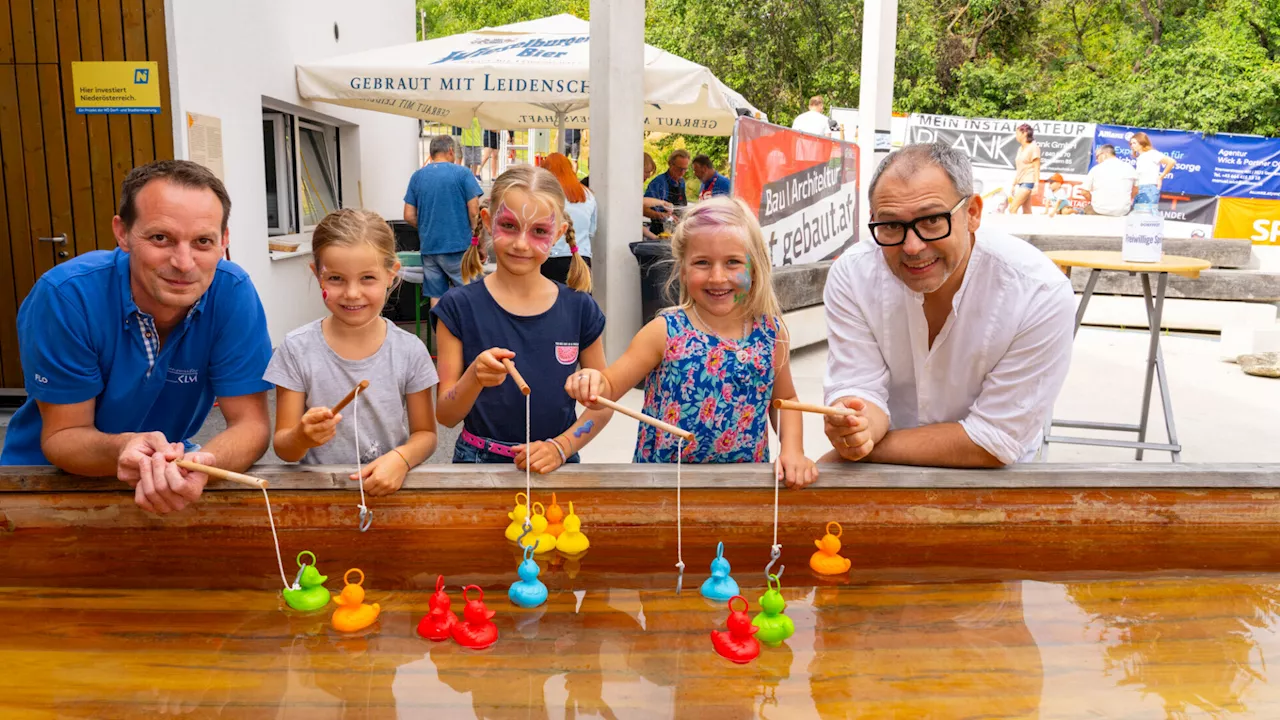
556 444
407 464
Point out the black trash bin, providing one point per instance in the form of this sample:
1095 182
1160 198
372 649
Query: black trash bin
656 266
399 307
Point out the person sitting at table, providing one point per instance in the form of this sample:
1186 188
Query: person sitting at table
125 350
950 343
713 183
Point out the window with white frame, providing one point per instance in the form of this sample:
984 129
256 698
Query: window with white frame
302 169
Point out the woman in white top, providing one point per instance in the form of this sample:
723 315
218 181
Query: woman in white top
581 206
1026 170
1153 166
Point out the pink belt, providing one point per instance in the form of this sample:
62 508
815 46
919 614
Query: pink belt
480 443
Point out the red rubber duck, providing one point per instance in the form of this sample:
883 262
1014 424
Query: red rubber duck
439 622
738 643
477 631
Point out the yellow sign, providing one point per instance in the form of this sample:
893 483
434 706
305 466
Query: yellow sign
116 87
1257 220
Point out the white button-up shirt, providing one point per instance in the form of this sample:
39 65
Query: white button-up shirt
995 367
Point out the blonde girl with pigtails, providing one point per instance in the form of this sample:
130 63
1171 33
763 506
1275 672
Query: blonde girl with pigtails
547 329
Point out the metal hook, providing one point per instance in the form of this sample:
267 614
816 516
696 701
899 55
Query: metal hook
297 581
679 577
366 518
774 555
528 528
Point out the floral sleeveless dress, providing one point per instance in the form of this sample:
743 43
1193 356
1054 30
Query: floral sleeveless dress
719 395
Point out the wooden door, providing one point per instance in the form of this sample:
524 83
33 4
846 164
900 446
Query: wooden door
61 171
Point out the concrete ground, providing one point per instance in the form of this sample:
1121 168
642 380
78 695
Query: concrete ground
1222 414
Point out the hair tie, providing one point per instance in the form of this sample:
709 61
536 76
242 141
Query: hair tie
573 248
475 241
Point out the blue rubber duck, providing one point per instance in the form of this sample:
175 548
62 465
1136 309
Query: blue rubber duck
720 586
528 591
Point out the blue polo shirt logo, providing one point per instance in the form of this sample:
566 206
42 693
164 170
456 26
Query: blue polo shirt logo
184 377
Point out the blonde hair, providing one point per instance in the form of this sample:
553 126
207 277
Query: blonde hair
350 227
544 187
729 214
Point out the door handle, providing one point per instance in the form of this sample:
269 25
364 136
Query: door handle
60 239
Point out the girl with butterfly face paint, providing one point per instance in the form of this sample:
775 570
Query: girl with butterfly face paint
548 330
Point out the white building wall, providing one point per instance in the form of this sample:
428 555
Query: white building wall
228 58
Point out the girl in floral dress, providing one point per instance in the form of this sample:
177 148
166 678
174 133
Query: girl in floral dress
714 363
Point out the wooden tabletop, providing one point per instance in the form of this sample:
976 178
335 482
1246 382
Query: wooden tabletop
1188 267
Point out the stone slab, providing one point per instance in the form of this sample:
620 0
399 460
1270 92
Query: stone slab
800 286
1126 311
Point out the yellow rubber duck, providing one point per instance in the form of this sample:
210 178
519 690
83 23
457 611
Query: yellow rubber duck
827 561
517 517
555 517
572 541
353 614
538 538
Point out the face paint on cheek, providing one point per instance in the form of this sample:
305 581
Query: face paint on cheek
743 281
541 235
324 294
505 223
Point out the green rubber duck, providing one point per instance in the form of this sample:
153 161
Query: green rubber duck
308 592
774 626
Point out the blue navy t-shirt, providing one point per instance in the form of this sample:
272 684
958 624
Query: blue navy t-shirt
440 191
546 347
80 338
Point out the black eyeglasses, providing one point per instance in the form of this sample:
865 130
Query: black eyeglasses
927 228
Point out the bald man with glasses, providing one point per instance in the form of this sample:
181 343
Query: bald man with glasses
950 342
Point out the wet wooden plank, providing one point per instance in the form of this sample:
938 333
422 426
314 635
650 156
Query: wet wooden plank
82 237
135 48
15 183
157 50
6 34
119 127
104 192
23 23
46 31
40 221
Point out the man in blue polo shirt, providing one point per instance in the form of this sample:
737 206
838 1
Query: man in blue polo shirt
123 352
669 186
713 183
443 201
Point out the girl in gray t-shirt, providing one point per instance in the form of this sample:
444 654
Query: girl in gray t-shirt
320 362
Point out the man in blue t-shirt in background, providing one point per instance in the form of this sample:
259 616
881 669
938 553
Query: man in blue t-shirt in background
443 201
713 183
123 352
669 186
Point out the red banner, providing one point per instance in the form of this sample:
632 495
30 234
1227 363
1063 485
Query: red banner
803 189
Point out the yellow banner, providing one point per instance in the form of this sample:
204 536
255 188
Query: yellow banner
1257 220
116 87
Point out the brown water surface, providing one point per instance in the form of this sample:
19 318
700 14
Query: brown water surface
979 623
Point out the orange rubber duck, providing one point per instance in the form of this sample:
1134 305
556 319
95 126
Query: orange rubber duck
353 614
555 518
827 561
738 643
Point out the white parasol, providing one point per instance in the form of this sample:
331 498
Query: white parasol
533 74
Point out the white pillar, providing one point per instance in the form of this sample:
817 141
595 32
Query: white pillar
617 142
875 106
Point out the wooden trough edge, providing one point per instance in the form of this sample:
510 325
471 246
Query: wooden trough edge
447 477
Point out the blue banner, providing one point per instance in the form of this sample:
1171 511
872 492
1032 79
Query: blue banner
1223 165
